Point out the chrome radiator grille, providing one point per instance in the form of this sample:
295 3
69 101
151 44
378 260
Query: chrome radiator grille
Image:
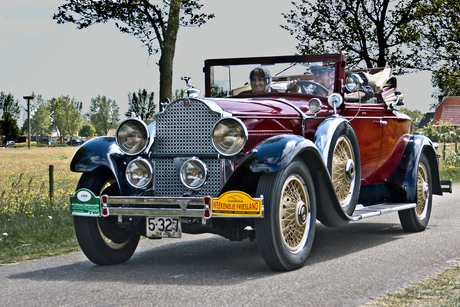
185 130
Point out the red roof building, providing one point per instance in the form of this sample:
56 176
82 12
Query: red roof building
448 111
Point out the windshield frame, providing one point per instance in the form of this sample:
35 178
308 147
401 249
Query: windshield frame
338 59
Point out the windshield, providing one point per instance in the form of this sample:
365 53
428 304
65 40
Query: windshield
312 77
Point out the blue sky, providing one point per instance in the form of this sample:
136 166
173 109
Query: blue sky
38 55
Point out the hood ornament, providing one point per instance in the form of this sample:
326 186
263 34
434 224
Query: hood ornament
192 92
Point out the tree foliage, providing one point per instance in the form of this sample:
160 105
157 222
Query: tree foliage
40 122
87 131
415 115
142 104
376 33
104 114
65 115
10 110
439 32
155 23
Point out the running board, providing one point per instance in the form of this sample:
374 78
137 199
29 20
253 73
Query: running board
362 212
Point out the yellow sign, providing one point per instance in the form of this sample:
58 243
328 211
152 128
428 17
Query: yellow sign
236 203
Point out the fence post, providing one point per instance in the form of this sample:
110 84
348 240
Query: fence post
456 147
51 174
444 152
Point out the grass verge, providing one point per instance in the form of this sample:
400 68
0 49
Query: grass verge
442 289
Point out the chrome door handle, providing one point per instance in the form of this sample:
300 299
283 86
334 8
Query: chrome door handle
381 122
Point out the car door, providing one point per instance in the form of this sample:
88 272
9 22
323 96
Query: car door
367 121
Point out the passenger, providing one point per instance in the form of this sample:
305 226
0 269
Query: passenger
323 74
260 80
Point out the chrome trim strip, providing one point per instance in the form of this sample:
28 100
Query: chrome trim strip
380 209
152 200
157 212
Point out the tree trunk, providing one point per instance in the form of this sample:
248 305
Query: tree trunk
168 49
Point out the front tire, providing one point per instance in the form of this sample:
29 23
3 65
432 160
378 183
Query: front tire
101 239
344 166
416 219
285 234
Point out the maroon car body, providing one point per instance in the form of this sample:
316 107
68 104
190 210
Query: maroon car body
267 165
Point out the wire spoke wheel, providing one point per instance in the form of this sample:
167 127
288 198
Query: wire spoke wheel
294 213
344 166
423 192
285 234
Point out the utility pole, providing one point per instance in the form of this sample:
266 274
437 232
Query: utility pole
29 135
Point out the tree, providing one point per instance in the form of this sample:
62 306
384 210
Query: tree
149 21
87 130
416 115
41 122
104 114
65 115
10 110
440 38
10 129
141 104
376 33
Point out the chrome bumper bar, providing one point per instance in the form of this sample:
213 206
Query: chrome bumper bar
165 206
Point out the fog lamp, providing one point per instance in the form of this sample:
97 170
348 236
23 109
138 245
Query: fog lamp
193 173
139 173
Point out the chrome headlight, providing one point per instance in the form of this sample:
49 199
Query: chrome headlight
193 173
132 136
314 105
139 173
354 82
229 136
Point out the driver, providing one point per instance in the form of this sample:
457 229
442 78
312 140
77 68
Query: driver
260 79
323 74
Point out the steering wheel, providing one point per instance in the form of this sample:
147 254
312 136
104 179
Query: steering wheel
311 87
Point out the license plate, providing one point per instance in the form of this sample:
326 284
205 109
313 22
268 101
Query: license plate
163 227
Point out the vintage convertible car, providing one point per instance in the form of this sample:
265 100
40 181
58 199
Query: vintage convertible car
266 165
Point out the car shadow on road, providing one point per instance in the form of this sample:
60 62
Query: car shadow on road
215 260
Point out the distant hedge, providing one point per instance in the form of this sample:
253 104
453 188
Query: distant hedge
34 144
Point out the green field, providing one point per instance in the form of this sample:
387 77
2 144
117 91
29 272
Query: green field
33 225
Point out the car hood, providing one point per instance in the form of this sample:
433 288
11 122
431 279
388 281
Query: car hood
260 107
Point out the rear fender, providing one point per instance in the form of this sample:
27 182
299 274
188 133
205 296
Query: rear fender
273 155
403 183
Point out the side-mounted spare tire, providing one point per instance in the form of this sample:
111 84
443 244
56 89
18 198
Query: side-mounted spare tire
100 238
344 166
285 234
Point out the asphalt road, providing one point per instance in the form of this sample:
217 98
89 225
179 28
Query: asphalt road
347 267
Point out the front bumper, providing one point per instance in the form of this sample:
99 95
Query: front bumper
234 204
156 206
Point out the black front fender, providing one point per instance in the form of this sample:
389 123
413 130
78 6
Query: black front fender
273 155
97 152
101 152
